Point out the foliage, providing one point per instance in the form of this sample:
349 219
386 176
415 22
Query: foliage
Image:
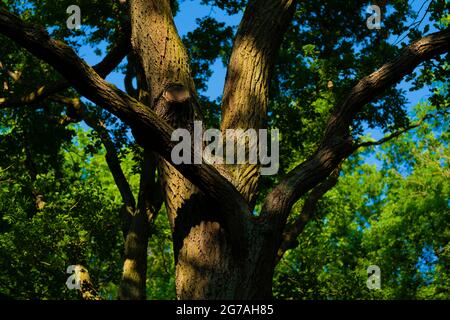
394 215
78 225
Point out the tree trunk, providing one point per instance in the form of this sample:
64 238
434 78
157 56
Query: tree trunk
134 276
133 285
208 264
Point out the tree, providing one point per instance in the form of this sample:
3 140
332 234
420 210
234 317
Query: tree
394 216
77 225
222 248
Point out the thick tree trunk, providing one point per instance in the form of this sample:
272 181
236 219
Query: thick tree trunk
207 267
208 263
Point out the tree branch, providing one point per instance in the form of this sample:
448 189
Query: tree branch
391 136
158 47
246 93
150 197
337 142
134 273
289 238
112 158
308 212
130 74
89 84
86 290
291 233
369 88
117 53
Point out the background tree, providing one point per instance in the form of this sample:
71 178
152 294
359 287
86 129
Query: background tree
289 67
395 216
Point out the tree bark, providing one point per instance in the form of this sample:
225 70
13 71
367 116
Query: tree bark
221 250
209 262
138 233
246 93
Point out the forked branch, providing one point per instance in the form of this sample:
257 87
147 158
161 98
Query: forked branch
337 143
135 114
112 59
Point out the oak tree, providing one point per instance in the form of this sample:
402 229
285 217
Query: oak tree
230 227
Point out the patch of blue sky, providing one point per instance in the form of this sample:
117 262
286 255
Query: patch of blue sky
186 21
361 221
426 264
413 97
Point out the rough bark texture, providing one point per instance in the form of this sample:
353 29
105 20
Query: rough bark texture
221 250
203 254
138 231
134 276
246 93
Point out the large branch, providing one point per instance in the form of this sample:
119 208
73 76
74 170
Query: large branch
136 221
112 59
112 157
246 93
308 212
291 233
91 85
370 87
159 48
133 284
337 143
164 72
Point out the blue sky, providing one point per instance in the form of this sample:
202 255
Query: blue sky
190 10
185 20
